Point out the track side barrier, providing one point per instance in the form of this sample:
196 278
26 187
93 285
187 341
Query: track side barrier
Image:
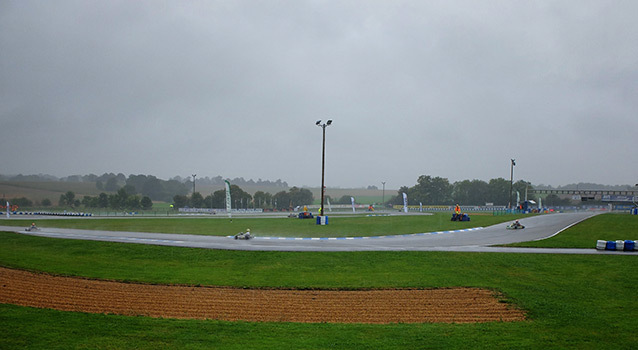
626 245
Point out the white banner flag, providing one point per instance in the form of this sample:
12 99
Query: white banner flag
228 208
518 199
405 202
329 206
8 208
352 200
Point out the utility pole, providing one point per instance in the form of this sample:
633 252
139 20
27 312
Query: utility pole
194 182
511 181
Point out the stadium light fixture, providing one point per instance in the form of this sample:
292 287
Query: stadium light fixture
323 160
511 181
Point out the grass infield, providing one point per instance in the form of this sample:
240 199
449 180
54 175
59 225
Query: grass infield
572 301
608 227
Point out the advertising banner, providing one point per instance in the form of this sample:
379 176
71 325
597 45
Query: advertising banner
405 202
228 209
618 198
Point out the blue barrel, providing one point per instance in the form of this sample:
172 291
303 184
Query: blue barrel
634 211
629 245
322 220
611 245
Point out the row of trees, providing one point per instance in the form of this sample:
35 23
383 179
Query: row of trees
20 202
439 191
239 181
243 200
118 201
145 185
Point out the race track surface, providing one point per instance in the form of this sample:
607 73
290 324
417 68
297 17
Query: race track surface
474 240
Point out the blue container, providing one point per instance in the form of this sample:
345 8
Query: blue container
634 211
630 245
611 245
322 220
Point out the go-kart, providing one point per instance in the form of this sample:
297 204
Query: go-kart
305 215
515 226
32 228
460 217
244 235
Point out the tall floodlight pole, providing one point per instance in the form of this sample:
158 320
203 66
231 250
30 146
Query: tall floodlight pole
323 159
194 182
511 181
383 194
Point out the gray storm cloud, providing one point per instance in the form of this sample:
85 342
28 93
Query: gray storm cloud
234 88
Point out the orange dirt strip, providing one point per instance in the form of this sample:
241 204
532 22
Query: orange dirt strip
460 305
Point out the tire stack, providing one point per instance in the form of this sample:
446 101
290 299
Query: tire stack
626 245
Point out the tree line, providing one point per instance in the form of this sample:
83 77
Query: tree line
121 200
439 191
239 181
241 199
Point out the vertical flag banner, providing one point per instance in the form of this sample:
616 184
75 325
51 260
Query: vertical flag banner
228 198
405 202
8 210
420 207
329 206
352 200
518 199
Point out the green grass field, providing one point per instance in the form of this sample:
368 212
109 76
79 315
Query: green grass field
572 301
340 226
610 227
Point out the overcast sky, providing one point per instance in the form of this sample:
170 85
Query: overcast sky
233 88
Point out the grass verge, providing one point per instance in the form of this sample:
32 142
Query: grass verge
572 301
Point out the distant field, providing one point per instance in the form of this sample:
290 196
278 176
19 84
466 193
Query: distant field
361 195
37 191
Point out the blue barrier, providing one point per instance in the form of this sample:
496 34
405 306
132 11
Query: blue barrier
626 245
322 220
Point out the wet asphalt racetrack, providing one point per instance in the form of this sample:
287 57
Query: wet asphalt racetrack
472 240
